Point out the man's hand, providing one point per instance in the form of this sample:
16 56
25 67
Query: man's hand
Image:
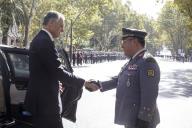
92 85
142 124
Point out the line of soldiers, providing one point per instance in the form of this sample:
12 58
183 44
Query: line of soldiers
81 57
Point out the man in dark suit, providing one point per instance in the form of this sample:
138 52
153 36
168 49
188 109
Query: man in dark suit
43 97
136 84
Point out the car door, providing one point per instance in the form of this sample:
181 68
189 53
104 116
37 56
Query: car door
15 77
2 94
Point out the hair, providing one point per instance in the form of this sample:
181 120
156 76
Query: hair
141 41
52 15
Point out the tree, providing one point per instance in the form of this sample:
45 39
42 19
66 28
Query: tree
28 7
9 13
101 20
185 6
174 24
109 27
20 11
153 42
80 15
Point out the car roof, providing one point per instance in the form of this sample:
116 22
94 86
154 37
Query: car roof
13 49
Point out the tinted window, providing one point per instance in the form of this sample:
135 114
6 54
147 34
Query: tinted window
20 64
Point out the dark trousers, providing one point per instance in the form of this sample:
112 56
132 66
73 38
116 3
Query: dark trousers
47 122
126 126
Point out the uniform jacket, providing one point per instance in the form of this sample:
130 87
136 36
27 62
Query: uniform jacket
45 72
136 91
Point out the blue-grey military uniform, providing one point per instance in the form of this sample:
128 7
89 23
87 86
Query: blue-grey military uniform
136 91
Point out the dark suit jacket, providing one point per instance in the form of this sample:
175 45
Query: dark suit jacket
71 95
45 72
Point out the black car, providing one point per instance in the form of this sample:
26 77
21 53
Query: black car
14 77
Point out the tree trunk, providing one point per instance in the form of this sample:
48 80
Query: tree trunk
5 36
4 39
28 18
26 37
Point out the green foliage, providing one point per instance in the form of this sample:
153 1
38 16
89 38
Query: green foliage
185 6
10 12
98 20
173 26
79 14
19 12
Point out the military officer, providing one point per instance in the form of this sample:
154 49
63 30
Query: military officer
136 85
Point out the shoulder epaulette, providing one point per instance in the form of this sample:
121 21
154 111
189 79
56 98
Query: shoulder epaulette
149 58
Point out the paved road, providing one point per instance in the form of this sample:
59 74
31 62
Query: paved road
175 95
96 109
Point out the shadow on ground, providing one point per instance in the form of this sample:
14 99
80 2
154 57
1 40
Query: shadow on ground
176 83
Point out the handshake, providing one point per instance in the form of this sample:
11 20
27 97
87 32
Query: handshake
92 85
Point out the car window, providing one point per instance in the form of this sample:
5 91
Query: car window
20 64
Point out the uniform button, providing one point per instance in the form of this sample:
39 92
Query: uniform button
134 105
